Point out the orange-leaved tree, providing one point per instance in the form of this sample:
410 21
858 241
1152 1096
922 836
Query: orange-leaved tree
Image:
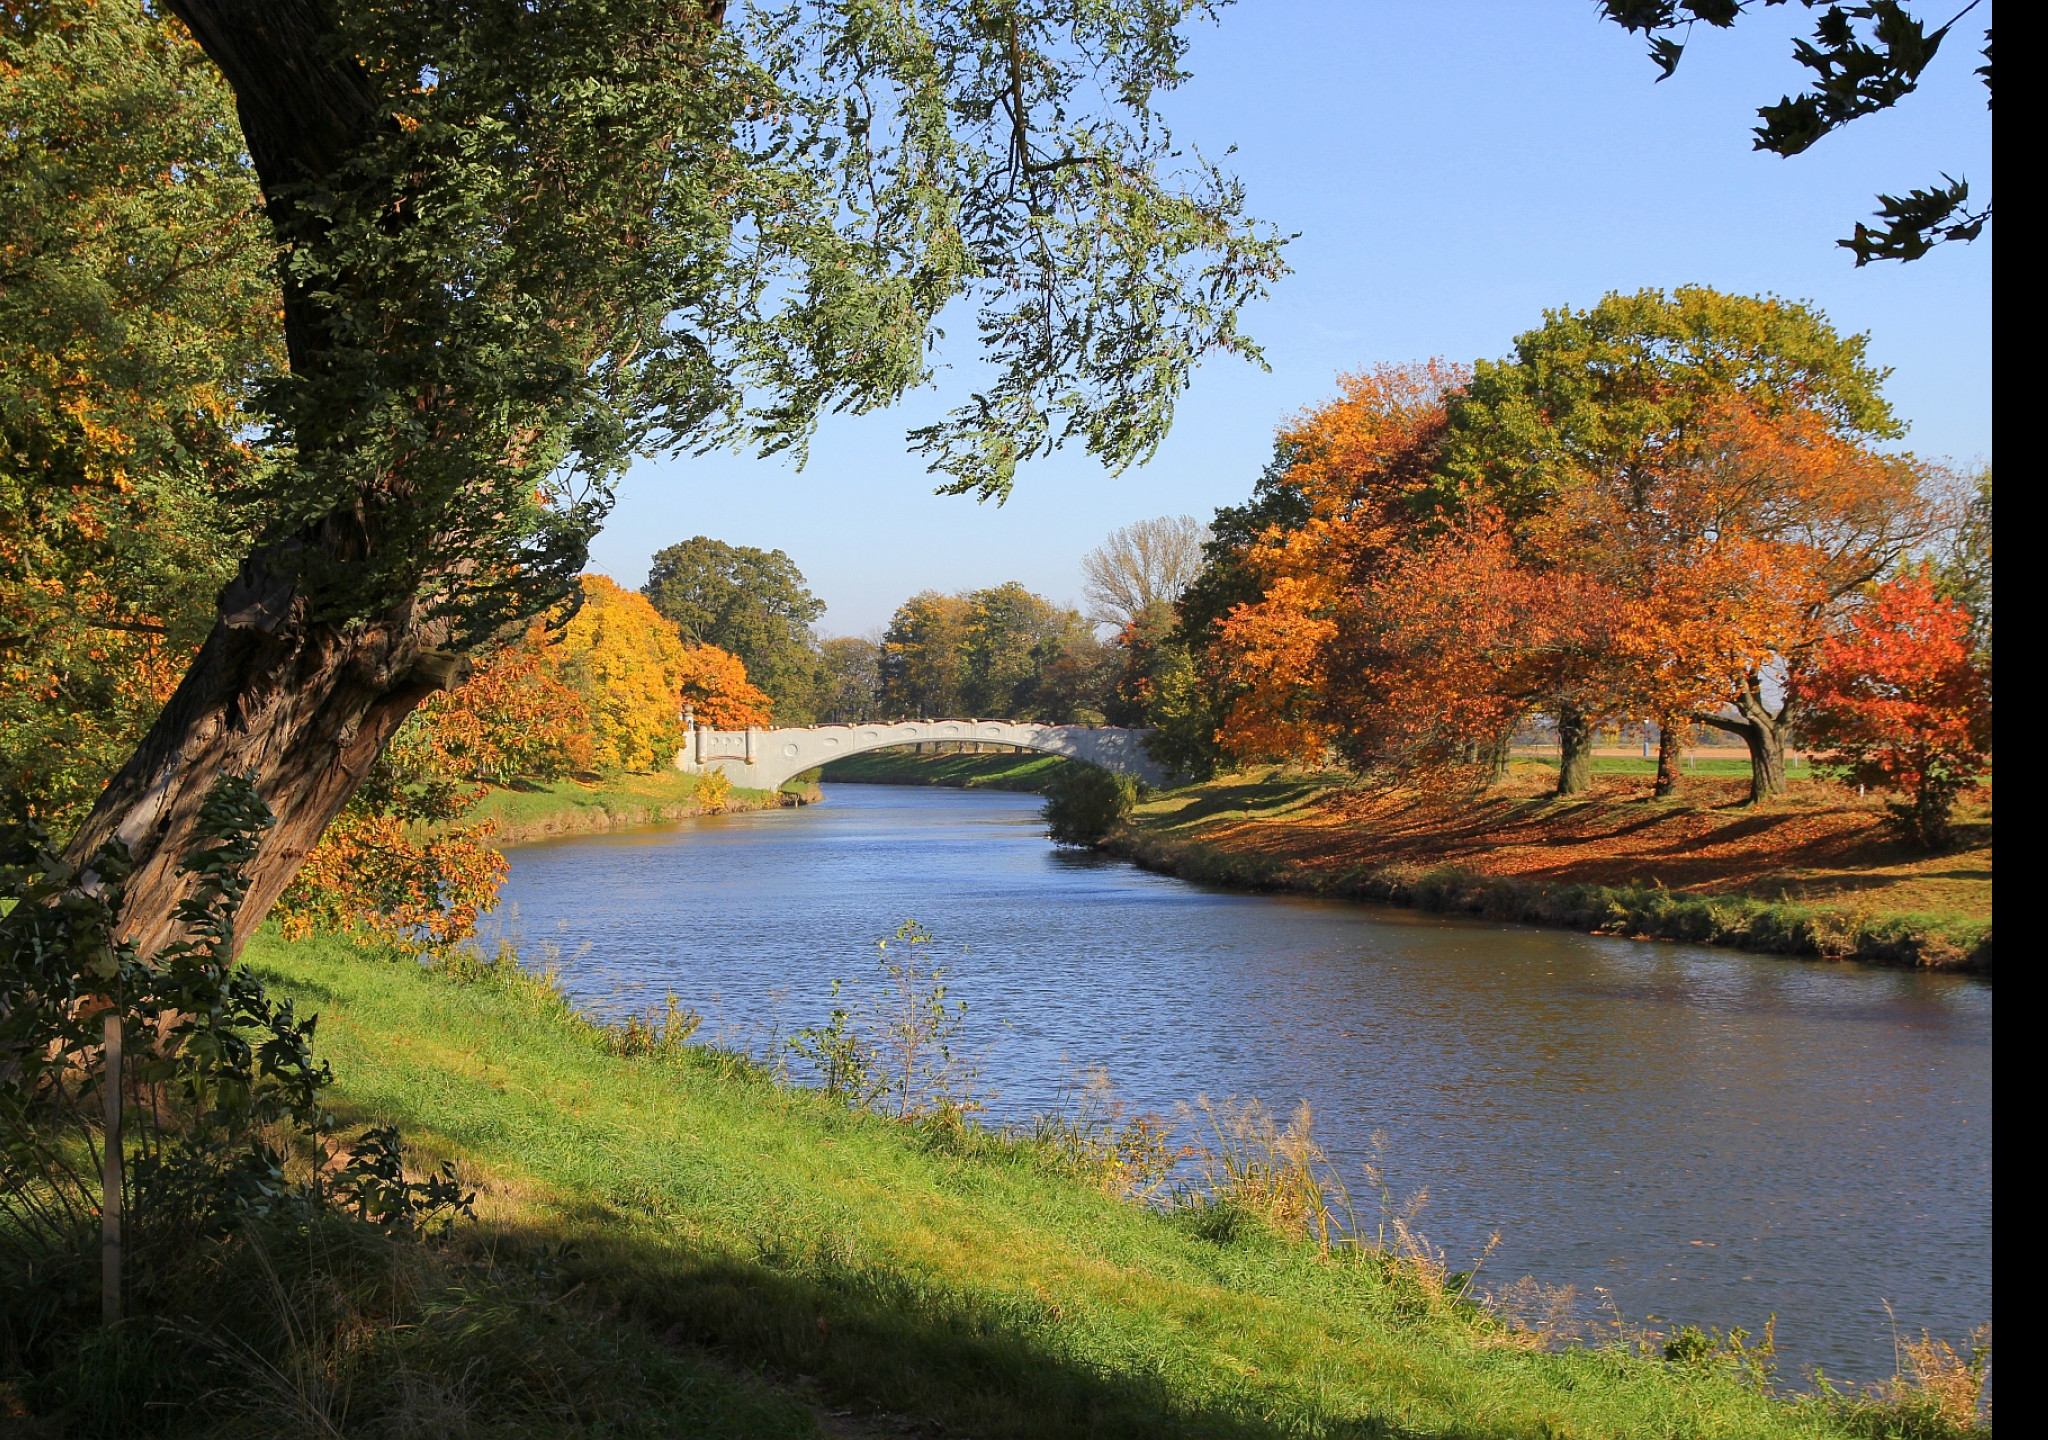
1355 467
716 691
512 720
1456 638
1664 445
1898 701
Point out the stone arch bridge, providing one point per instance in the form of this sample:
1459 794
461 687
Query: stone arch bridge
763 759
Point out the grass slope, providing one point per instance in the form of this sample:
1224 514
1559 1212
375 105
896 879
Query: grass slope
964 1282
535 811
1028 771
1814 872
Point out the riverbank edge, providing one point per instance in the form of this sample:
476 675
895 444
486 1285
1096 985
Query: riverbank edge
459 1054
595 810
1639 912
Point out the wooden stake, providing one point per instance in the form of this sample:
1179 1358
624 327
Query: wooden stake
110 1173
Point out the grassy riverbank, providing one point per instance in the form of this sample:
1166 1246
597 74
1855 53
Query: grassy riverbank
617 802
740 1257
1018 770
1816 872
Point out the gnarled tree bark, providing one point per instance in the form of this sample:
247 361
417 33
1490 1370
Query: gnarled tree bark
301 702
1763 730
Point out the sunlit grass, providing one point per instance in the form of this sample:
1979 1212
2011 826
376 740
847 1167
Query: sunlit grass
534 811
926 1270
899 765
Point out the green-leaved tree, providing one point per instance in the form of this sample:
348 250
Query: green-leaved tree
752 603
520 243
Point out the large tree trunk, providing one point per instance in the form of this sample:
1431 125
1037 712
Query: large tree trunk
1575 736
1764 731
302 703
303 707
1670 750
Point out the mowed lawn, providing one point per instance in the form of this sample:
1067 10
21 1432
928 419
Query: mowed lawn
923 1271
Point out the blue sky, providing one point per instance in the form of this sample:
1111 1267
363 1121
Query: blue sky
1453 167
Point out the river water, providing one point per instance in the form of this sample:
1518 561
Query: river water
1699 1135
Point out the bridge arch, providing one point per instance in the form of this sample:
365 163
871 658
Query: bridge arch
764 759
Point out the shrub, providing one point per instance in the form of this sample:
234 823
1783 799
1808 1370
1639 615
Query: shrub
1083 805
1899 703
195 1087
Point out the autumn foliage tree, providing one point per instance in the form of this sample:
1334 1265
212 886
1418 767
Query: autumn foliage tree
627 663
137 317
1708 460
1898 703
1358 469
512 720
716 691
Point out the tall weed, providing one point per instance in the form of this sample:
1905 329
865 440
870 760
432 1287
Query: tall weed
1095 1134
894 1044
1933 1394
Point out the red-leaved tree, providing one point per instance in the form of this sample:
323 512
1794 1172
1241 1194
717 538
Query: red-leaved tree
1898 703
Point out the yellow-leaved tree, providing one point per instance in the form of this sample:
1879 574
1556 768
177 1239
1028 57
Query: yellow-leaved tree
628 664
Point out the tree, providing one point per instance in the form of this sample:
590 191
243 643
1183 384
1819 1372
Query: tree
1864 58
1025 658
511 721
1002 651
1634 442
752 603
519 244
852 690
137 314
1144 564
1359 471
628 664
716 691
1898 704
923 656
1454 638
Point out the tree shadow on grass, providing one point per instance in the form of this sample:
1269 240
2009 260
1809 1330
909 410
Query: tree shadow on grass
889 1341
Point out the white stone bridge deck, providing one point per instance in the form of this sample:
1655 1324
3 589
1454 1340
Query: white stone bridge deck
764 759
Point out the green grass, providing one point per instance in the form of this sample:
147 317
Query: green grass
532 810
1732 764
1028 771
926 1271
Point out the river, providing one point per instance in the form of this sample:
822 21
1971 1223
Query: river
1698 1135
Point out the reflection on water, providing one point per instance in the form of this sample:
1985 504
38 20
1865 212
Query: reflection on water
1709 1137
